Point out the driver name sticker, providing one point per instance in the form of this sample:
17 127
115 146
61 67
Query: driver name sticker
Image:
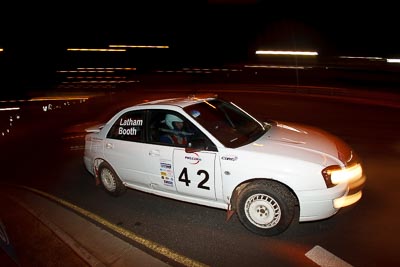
131 123
129 131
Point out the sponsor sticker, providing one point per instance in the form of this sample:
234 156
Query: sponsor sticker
193 158
165 165
195 113
168 183
166 172
229 158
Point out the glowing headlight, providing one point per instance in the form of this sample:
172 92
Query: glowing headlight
334 175
346 175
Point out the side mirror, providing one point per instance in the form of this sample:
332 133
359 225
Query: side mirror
195 146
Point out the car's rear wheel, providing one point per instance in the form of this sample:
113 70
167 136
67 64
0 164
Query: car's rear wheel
265 207
110 180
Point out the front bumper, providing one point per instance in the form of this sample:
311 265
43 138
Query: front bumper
353 195
321 204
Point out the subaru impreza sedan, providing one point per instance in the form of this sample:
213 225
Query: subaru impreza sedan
209 151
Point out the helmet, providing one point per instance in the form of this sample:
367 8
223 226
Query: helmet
169 119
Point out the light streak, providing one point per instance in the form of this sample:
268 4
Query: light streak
140 46
8 109
393 60
287 53
96 50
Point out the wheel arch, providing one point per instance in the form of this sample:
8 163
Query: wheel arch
236 191
118 188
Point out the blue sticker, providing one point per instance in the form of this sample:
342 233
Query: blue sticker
195 113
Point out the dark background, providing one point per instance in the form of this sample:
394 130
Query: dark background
35 36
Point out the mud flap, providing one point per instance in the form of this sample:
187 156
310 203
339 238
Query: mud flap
229 213
97 181
96 175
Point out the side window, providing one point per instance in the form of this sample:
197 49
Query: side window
129 127
170 128
157 125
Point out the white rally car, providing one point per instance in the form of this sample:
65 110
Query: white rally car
208 151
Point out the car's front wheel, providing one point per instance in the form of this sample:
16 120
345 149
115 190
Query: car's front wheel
110 180
265 207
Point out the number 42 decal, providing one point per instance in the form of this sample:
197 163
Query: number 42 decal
183 177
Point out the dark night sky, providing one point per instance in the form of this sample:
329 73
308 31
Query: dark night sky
216 24
198 32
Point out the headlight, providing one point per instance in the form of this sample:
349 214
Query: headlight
334 175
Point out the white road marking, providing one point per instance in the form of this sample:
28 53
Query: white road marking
324 258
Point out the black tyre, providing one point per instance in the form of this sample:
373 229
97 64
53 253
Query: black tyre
110 180
266 207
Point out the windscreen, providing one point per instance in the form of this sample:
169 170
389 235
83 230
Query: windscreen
231 125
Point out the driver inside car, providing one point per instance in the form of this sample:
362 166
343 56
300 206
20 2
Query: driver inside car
174 134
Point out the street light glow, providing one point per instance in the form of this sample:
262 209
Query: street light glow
287 53
393 60
96 50
140 46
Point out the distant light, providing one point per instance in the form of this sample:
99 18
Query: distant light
106 68
140 46
93 70
369 58
1 49
59 98
276 67
13 100
90 71
96 77
96 50
102 82
393 60
288 53
7 109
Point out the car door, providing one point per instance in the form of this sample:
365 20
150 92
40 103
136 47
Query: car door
171 168
195 173
126 150
160 167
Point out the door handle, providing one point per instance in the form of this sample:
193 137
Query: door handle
154 153
109 145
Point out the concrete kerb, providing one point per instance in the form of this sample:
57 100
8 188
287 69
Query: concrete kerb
94 245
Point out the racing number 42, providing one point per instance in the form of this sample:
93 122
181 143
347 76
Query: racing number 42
183 177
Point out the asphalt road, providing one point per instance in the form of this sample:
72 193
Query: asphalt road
44 151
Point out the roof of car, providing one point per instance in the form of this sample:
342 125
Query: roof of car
182 101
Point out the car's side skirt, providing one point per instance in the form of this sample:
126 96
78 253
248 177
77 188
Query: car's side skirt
186 198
